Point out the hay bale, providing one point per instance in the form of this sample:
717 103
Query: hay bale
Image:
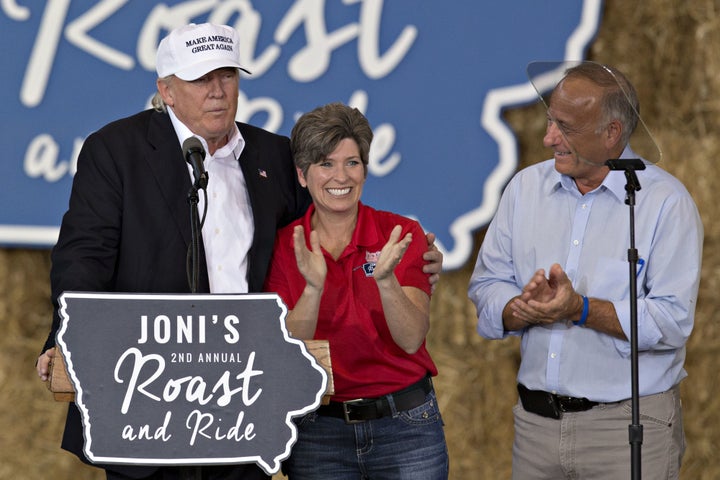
669 51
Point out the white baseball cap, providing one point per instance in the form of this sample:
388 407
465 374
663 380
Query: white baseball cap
191 51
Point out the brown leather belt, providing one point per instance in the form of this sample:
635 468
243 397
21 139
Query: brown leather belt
550 405
362 409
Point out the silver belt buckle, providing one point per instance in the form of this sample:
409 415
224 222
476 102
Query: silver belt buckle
346 413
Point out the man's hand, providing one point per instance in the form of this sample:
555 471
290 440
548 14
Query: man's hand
538 288
548 300
43 364
544 301
434 258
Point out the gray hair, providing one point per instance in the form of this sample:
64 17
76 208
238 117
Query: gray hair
157 101
620 99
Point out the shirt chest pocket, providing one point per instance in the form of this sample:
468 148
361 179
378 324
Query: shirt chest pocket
610 279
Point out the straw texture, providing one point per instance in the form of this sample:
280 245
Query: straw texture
671 51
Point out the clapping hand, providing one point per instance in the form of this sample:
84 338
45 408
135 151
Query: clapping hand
311 263
391 254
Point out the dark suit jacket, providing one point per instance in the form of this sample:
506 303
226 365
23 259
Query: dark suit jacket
127 228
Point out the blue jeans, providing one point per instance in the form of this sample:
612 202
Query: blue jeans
410 445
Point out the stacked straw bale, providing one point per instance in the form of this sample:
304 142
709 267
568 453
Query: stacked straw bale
671 51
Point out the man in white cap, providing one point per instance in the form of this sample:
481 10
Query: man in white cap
127 228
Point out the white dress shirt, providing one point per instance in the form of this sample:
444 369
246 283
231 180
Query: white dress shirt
228 228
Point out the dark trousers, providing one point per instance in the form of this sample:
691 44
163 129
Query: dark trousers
213 472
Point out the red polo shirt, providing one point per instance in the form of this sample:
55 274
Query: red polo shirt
366 362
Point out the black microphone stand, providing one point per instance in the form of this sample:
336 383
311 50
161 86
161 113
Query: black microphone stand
193 258
635 430
192 267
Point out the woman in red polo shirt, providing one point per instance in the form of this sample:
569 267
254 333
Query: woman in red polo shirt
353 275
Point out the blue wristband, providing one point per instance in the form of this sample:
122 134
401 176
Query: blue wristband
584 315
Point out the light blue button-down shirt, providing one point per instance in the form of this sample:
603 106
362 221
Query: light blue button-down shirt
543 219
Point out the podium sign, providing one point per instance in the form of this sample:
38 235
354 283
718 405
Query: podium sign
187 379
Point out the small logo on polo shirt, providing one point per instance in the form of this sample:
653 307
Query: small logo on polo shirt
368 268
371 258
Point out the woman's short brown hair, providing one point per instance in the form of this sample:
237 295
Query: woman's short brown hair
318 132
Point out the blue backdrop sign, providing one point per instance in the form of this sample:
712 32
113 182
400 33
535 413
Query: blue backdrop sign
432 77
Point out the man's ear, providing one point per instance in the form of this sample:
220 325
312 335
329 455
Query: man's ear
613 133
163 86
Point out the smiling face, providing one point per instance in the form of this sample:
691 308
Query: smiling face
581 143
207 106
335 182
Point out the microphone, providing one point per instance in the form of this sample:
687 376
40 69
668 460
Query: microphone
195 155
630 165
625 164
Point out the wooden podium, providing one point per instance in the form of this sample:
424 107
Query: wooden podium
62 389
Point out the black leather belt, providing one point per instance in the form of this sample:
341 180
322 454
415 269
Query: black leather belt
550 405
362 409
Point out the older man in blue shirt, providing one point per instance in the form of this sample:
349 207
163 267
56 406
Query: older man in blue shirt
568 215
